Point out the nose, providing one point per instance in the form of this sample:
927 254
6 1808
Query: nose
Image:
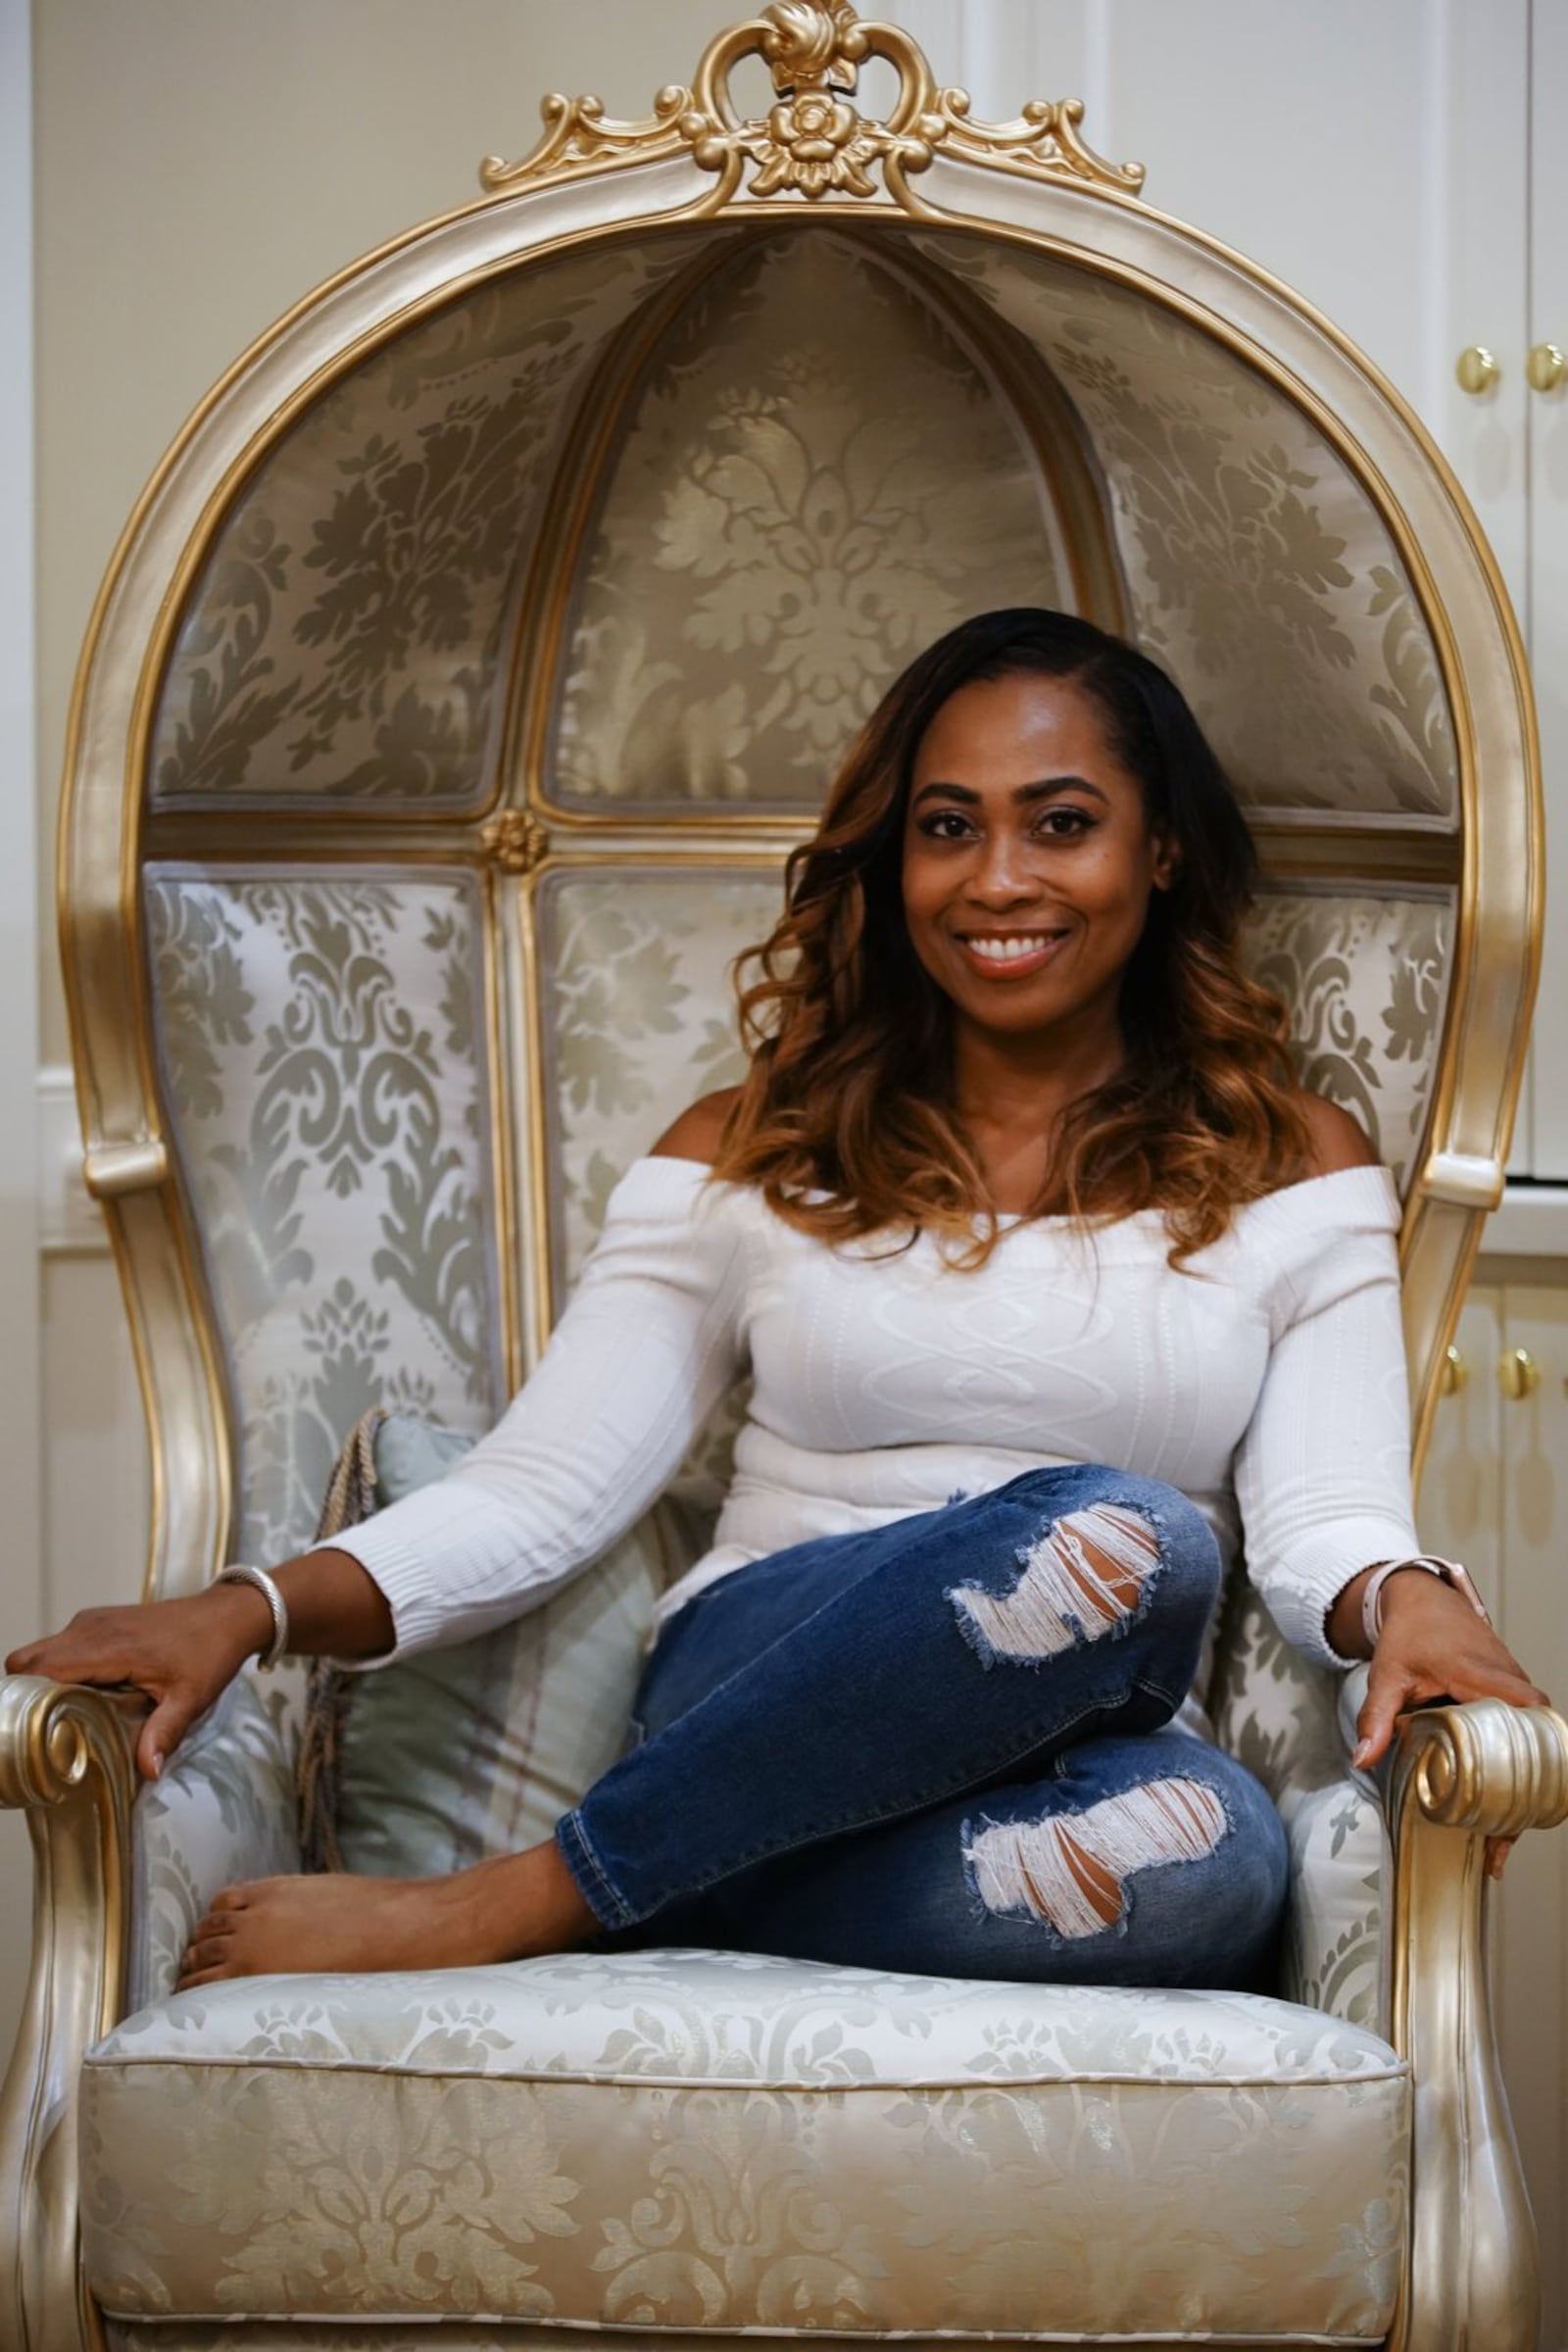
1004 873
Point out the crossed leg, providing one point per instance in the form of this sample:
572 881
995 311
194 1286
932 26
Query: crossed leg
920 1659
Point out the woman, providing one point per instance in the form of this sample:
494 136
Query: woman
1040 1261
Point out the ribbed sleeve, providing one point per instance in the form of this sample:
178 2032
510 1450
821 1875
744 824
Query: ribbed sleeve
647 1347
1323 1472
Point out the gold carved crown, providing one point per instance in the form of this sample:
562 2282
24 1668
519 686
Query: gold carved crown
813 142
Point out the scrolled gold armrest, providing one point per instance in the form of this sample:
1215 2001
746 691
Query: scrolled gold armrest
1488 1767
53 1735
1461 1774
67 1759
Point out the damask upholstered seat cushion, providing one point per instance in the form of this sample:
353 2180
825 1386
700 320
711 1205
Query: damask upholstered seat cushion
717 2140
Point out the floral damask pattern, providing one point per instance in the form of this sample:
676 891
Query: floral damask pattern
700 2139
815 481
1260 572
1366 979
639 1017
222 1810
346 635
1284 1718
325 1069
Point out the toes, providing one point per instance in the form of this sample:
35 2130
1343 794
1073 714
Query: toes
215 1923
204 1975
232 1898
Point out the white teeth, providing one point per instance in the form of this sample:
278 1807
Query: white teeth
1008 951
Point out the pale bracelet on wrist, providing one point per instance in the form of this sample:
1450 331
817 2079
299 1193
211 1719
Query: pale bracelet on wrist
241 1573
1450 1572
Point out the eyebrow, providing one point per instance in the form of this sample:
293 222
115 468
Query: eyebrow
1044 790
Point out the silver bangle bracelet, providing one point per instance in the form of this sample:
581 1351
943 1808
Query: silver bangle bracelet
1450 1571
267 1586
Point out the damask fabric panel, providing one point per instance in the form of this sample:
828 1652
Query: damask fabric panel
639 1018
1365 974
224 1809
1284 1718
817 479
347 637
1260 573
323 1053
707 2140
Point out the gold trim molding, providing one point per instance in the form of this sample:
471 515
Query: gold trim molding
514 841
65 1761
1461 1774
813 142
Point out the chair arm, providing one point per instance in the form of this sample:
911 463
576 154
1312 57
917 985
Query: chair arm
1461 1774
66 1760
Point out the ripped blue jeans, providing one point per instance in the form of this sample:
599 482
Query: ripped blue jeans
942 1746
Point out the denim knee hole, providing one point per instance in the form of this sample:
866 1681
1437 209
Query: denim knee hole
1069 1871
1081 1578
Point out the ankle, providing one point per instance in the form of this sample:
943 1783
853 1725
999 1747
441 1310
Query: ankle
518 1906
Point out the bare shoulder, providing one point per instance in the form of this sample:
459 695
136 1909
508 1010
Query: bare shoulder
699 1131
1335 1140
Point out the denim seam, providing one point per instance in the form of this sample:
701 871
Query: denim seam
576 1850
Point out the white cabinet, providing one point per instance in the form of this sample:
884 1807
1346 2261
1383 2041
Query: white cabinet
1548 603
1495 1494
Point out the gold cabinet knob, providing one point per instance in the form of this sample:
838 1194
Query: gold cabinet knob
1546 366
1476 370
1518 1373
1455 1371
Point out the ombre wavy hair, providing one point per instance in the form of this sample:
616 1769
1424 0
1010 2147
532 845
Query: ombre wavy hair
847 1121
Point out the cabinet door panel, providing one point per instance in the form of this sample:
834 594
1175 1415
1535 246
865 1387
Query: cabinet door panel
1548 570
1532 1906
1459 1507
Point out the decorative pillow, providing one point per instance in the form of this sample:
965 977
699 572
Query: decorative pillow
436 1761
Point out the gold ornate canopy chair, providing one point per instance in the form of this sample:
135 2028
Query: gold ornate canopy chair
460 682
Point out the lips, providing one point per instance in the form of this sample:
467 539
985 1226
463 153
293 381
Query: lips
1007 955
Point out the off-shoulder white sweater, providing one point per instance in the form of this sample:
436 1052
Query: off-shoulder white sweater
1268 1374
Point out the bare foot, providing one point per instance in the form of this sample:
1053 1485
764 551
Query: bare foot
512 1908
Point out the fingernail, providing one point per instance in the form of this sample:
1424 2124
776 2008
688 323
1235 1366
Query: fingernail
157 1765
1361 1753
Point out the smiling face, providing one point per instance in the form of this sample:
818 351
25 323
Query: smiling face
1028 858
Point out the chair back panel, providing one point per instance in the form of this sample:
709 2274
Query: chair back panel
325 1058
348 638
790 514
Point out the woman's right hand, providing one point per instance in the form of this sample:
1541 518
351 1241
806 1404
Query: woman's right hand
180 1652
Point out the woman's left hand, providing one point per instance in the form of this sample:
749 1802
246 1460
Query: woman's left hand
1433 1645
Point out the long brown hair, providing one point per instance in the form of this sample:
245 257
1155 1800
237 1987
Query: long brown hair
845 1120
